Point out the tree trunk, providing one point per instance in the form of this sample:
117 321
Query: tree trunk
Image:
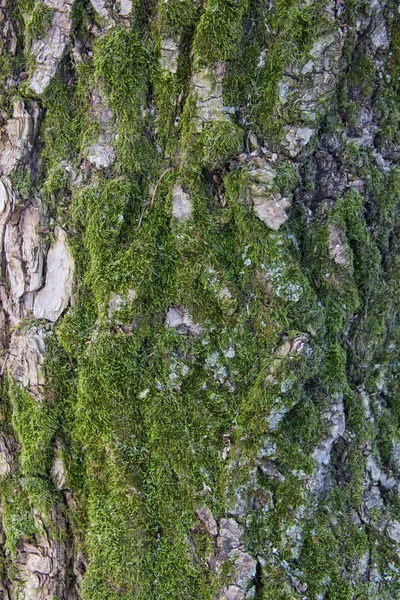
199 326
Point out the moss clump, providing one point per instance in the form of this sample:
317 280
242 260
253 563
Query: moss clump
242 79
117 257
387 103
332 544
145 410
361 76
366 257
21 180
17 517
63 123
134 459
176 18
292 31
36 425
286 179
82 17
220 140
219 31
121 60
39 21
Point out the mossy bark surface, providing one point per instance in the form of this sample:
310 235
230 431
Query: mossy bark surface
199 299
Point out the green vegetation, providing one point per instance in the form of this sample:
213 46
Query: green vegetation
35 424
291 33
219 31
176 18
121 60
221 141
17 515
39 20
225 411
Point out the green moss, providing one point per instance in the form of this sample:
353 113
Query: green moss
39 20
12 63
352 155
117 427
116 545
221 140
286 178
17 517
387 200
292 31
241 81
167 92
219 30
120 60
303 424
361 75
82 16
332 543
21 180
63 122
36 424
143 410
109 214
386 103
177 17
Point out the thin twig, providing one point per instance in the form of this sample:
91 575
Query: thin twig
157 184
152 198
4 365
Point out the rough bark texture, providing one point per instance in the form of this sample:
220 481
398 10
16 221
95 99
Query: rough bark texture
199 295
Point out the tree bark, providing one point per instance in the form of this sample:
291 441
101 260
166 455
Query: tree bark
199 326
